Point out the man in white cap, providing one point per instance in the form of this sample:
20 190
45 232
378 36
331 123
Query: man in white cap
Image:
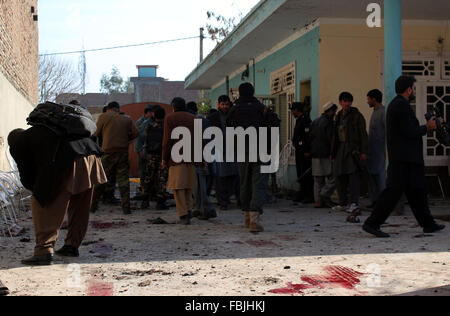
321 137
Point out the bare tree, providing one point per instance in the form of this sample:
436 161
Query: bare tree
220 26
57 76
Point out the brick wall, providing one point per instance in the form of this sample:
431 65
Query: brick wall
19 46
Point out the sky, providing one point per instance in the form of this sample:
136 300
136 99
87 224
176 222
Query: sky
67 25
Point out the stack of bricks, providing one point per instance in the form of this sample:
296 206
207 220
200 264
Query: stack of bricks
19 46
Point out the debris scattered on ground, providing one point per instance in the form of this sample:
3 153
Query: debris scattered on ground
107 225
158 221
145 283
25 240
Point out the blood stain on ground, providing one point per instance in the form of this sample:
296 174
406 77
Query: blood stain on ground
107 225
103 249
286 238
336 276
98 288
291 289
261 243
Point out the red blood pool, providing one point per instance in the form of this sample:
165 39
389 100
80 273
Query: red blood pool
96 288
291 289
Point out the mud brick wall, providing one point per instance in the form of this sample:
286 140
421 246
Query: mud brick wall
19 46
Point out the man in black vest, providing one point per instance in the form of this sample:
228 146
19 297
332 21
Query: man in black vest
406 172
302 146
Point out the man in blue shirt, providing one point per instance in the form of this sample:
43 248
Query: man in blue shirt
141 124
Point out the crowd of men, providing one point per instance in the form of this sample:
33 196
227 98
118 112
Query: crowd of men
333 152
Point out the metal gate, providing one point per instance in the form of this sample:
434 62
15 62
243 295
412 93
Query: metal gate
432 94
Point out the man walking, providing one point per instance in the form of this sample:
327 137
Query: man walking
227 178
155 181
321 137
182 175
349 152
249 113
301 143
117 131
61 174
406 171
376 158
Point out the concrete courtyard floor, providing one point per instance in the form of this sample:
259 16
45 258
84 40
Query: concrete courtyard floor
303 251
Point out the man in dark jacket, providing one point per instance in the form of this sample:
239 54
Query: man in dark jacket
320 137
61 174
227 179
406 172
349 152
301 143
248 112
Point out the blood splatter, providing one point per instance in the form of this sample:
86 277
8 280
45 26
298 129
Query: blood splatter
336 276
97 288
291 289
103 249
286 238
261 243
107 225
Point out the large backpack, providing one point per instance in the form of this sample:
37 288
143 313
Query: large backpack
71 121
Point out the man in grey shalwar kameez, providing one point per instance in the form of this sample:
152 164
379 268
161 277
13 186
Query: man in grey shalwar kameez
321 136
376 163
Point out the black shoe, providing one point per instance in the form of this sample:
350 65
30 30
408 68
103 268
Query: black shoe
161 207
43 260
375 231
308 201
112 201
433 228
126 210
185 220
3 290
68 251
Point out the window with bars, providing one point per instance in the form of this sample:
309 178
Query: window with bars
437 96
419 68
446 69
283 79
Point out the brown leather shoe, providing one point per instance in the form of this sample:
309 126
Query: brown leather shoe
319 205
246 219
255 222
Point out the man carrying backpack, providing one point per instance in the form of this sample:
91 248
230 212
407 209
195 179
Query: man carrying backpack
155 177
60 169
117 131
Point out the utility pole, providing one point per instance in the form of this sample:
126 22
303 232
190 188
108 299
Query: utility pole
83 69
201 43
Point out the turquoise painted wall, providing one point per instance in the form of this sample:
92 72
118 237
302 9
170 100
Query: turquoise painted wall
304 51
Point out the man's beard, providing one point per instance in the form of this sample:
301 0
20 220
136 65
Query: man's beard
412 97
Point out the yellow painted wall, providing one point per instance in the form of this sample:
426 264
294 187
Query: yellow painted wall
351 57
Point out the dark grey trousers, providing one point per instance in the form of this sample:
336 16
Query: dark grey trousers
253 187
349 184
